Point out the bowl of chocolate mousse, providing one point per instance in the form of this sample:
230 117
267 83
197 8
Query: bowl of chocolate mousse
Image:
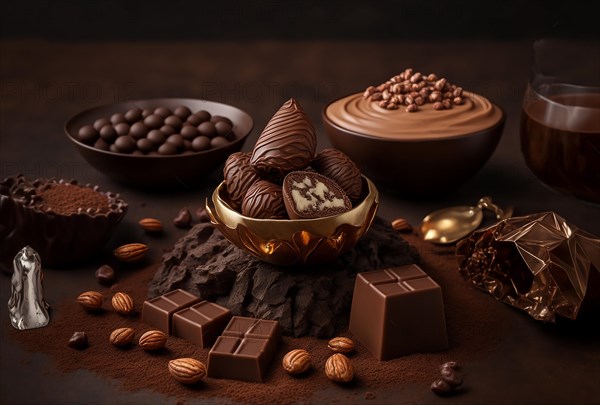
415 134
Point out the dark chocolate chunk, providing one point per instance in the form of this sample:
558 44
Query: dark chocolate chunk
108 133
122 128
398 311
78 341
158 312
245 350
182 112
451 376
106 275
183 218
100 122
201 323
125 144
311 195
441 387
133 115
315 302
87 134
264 200
207 128
200 143
139 130
286 144
239 175
340 168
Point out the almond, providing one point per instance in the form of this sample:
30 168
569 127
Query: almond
339 369
122 303
296 361
341 345
187 370
91 300
133 252
151 225
121 337
152 340
401 225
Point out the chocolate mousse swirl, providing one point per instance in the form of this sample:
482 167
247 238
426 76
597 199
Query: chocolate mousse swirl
286 144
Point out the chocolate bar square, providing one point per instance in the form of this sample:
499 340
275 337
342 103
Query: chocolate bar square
200 323
245 349
159 311
398 311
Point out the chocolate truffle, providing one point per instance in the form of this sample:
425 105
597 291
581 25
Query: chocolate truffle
156 137
153 121
139 130
239 175
203 115
122 128
182 112
201 143
264 200
312 195
173 121
87 134
218 141
163 112
125 144
207 128
108 133
133 115
286 144
340 168
100 122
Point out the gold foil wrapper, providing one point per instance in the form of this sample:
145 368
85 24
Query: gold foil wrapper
539 263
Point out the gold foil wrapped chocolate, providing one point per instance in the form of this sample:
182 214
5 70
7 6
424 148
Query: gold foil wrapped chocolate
539 263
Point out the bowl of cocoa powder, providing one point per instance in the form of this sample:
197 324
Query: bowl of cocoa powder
66 223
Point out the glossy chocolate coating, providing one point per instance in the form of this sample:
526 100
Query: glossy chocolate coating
153 121
87 134
182 112
138 130
340 168
207 128
108 133
201 143
239 175
312 195
264 200
133 115
286 144
122 128
125 144
100 122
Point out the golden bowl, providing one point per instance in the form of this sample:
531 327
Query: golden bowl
287 242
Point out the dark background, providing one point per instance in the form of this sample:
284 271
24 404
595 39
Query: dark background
296 19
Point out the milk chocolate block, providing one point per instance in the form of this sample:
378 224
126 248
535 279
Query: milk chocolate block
311 195
159 311
245 349
398 311
201 323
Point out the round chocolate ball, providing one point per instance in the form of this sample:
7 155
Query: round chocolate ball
153 121
203 115
223 128
125 144
113 148
187 145
218 141
194 120
137 153
201 143
163 112
122 128
156 137
167 130
176 140
146 112
189 132
117 118
173 121
87 134
100 122
145 145
219 118
101 144
167 149
207 128
139 130
182 112
133 115
108 133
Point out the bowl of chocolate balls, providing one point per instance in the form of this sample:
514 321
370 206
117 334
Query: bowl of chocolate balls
288 205
165 143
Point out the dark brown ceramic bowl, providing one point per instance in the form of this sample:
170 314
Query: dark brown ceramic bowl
154 171
416 167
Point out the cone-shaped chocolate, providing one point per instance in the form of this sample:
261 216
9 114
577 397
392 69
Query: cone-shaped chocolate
287 143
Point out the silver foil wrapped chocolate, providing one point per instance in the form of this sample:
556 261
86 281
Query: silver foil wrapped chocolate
539 263
27 307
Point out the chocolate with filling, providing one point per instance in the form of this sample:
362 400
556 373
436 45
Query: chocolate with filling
264 200
311 195
340 168
239 175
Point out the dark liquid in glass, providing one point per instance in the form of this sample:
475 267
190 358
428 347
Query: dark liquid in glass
561 142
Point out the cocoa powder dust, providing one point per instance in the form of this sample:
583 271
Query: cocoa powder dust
66 199
473 320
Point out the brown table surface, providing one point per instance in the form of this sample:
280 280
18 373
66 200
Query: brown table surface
43 83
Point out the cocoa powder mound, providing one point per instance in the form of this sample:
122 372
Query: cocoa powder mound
65 199
474 327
